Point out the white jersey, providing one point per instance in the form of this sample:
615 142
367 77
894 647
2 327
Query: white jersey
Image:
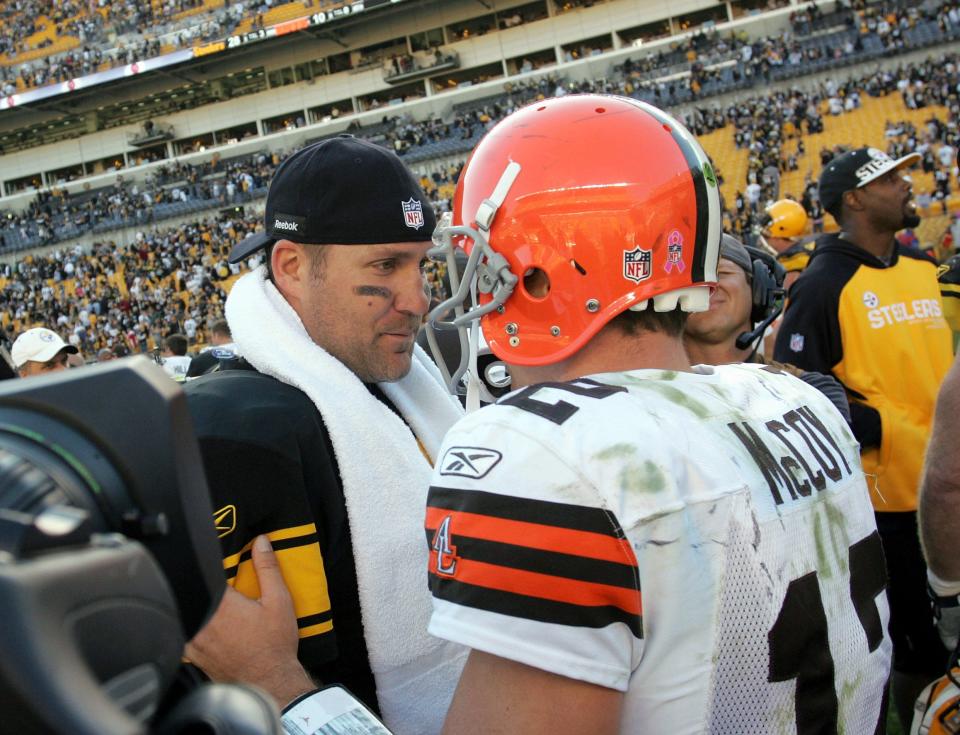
702 541
177 367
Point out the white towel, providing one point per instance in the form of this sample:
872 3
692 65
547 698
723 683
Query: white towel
385 479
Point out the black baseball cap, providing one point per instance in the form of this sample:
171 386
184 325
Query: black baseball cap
342 190
855 169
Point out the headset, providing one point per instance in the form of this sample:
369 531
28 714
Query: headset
767 294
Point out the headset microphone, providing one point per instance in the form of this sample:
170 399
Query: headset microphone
747 338
766 283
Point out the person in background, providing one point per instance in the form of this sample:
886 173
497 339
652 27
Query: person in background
40 351
173 357
785 232
748 296
868 311
222 348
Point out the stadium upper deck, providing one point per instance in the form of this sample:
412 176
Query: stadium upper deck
348 63
590 58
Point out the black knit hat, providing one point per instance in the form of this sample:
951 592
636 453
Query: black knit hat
342 190
735 251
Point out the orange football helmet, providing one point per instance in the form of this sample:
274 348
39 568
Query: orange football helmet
573 210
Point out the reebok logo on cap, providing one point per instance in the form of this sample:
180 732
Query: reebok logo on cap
288 224
283 222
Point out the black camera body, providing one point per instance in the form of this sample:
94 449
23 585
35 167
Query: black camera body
108 556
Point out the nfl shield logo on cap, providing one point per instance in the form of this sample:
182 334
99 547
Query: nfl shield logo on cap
637 264
413 213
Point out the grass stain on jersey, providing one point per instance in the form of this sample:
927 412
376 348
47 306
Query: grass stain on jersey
634 477
648 479
674 395
831 552
623 450
848 690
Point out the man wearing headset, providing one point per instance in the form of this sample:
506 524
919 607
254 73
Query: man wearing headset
748 297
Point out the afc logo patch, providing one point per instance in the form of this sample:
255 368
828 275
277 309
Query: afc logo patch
637 264
412 213
446 560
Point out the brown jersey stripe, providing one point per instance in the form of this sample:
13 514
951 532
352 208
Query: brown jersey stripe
542 586
536 535
545 562
533 608
509 507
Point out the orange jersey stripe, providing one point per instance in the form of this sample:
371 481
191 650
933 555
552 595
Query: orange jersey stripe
544 586
534 535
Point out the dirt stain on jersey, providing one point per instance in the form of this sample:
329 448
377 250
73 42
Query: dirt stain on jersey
633 476
674 395
831 540
848 689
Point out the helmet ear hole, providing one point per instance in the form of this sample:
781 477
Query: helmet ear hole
536 283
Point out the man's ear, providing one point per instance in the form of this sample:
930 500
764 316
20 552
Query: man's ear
290 267
851 200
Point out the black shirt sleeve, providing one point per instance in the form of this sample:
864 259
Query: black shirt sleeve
271 469
809 335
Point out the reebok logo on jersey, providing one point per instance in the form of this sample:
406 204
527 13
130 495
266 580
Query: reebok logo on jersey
225 520
472 462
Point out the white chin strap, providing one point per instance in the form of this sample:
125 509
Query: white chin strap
476 389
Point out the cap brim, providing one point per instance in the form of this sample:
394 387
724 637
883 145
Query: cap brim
249 245
48 354
907 160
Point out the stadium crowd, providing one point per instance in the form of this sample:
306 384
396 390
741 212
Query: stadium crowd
125 299
164 294
762 124
128 300
134 309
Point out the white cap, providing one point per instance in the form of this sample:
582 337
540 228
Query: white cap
40 345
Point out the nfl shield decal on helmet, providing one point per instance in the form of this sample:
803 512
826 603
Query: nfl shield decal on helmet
637 264
412 213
